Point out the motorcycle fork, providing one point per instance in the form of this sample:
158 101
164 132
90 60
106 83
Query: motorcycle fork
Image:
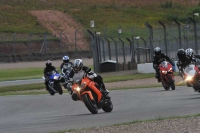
165 79
89 94
51 86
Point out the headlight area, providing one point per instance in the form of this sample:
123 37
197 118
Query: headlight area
164 71
55 77
188 78
78 88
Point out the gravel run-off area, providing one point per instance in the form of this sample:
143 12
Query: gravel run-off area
176 125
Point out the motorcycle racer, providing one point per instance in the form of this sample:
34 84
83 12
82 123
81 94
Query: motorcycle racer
79 68
185 57
157 59
66 65
49 67
65 68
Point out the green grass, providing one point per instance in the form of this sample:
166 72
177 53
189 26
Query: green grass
24 73
27 89
15 16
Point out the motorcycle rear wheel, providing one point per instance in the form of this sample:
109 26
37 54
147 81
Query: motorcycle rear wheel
92 107
108 106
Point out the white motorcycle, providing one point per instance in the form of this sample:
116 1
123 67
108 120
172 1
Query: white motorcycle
191 75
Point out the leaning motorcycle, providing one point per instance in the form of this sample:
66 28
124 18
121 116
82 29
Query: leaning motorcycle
54 86
90 94
167 75
191 75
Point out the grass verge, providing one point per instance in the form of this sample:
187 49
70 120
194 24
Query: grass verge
19 74
35 89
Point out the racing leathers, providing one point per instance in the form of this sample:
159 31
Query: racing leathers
157 60
181 64
48 69
65 69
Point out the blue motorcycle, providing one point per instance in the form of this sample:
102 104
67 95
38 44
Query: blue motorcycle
54 80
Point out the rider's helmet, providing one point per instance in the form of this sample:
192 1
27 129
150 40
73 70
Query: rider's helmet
78 65
157 51
48 63
181 54
189 52
65 59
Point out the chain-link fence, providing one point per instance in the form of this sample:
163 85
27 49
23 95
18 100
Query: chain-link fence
136 45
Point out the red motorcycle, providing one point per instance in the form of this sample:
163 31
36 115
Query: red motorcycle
167 75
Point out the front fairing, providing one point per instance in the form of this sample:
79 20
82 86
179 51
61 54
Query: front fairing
189 73
165 68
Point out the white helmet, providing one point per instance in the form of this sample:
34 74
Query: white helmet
78 65
65 59
189 52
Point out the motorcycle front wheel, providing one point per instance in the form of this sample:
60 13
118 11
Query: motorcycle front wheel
196 85
51 92
91 105
58 88
171 82
165 87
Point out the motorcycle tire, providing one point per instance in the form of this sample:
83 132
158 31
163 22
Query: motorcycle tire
171 82
58 88
51 92
165 87
108 106
196 85
92 107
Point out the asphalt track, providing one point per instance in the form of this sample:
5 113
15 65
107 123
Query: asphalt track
45 113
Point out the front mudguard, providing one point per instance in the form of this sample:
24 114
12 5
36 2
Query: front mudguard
75 96
89 94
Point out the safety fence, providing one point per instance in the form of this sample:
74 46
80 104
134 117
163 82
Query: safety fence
135 45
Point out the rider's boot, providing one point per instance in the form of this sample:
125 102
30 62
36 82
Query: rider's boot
105 92
158 78
68 87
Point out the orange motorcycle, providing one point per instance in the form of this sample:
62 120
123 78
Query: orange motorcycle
90 94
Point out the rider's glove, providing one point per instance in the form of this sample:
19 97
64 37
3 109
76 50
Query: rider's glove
91 77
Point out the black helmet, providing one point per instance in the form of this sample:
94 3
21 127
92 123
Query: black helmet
78 65
48 63
157 51
65 59
181 54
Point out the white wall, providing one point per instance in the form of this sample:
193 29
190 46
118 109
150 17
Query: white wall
148 68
